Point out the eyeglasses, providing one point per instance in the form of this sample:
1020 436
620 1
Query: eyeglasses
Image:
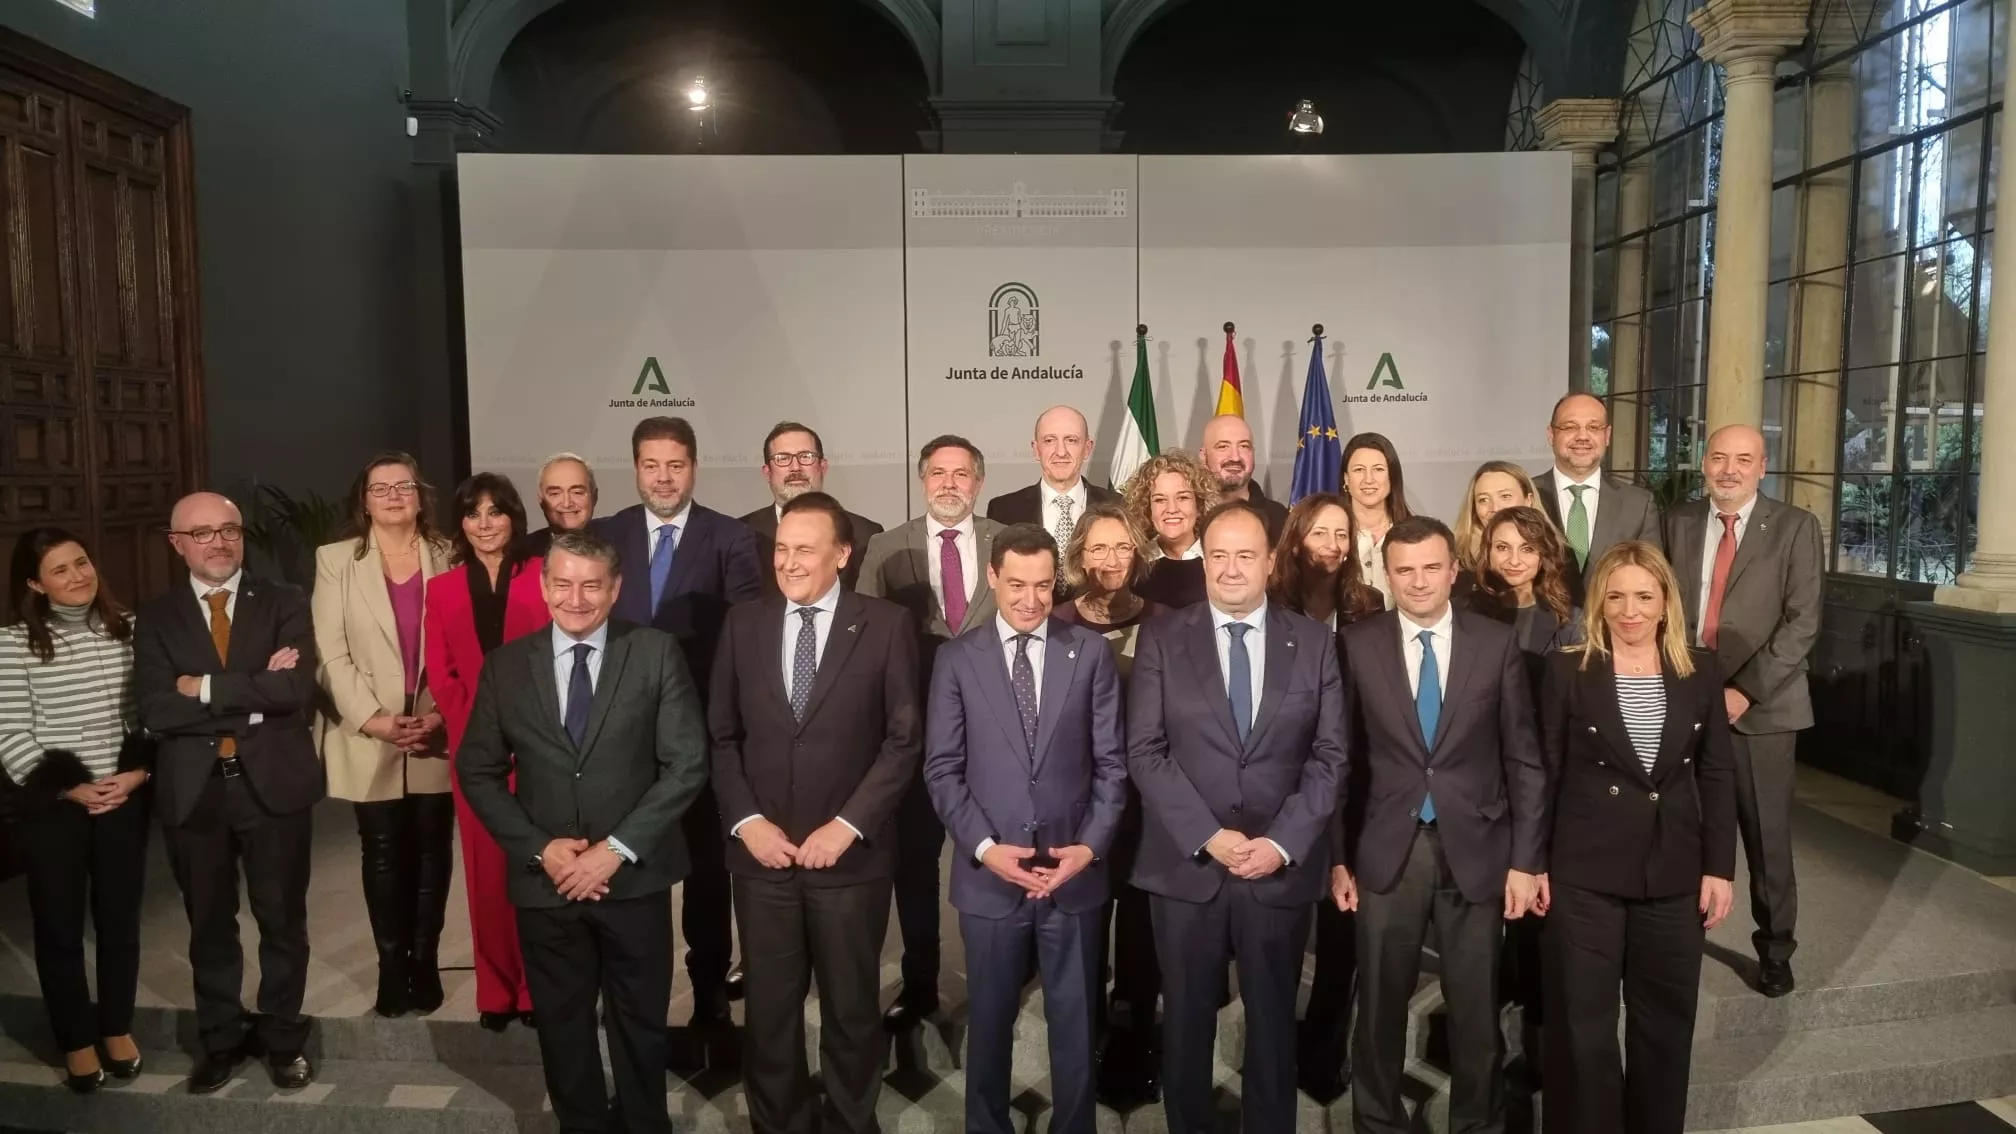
232 533
785 460
1100 551
403 488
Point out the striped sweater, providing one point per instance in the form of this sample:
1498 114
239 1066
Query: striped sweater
81 700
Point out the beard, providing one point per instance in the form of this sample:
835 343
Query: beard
791 490
949 510
1229 481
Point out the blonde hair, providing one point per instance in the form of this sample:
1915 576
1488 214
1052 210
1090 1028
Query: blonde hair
1074 548
1673 649
1470 534
1141 488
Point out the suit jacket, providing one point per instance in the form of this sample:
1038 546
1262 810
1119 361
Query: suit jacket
1025 505
763 522
897 568
1624 511
715 566
172 639
364 674
987 783
1770 613
641 764
1615 828
455 654
540 542
851 758
1196 778
1483 763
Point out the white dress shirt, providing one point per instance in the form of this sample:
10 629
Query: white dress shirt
563 676
828 606
1565 500
1256 654
1039 637
969 557
1051 513
1194 551
1410 648
1709 547
230 589
651 525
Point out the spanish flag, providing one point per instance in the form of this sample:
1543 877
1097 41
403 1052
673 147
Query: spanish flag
1230 400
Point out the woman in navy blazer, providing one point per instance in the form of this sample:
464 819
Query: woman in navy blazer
1642 787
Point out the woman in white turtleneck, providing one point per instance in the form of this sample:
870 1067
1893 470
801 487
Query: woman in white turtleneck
68 726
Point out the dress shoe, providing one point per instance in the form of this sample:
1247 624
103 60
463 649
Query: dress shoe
735 988
290 1071
1325 1088
1774 978
495 1021
907 1012
214 1071
528 1019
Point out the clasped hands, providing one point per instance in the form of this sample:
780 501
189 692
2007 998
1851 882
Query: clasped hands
1246 858
579 870
106 794
1036 881
406 733
769 845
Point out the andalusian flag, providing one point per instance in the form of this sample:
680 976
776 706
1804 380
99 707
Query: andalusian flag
1138 437
1230 400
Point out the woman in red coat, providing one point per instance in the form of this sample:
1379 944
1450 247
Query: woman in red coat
489 597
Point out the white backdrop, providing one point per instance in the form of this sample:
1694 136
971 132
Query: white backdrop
842 291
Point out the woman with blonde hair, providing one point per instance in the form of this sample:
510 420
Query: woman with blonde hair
1166 497
1642 791
1494 487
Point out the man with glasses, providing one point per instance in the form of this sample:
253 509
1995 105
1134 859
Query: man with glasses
794 463
567 496
1594 512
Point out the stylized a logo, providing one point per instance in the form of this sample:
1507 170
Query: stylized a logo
1391 372
652 378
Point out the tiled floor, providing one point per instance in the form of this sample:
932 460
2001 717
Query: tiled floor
1996 1116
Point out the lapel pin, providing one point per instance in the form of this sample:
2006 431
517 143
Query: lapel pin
852 627
1071 655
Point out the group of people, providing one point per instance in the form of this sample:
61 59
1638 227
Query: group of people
1164 729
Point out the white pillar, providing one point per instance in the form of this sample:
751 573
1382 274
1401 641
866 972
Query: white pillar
1583 127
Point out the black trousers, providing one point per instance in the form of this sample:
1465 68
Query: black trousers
1391 930
76 865
920 840
794 934
1137 974
1652 947
1195 940
1765 772
704 904
1326 1022
621 953
1065 946
230 830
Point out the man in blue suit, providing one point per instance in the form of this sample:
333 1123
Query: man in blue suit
684 565
1236 740
1025 761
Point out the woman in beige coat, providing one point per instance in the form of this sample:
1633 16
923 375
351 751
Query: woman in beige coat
382 739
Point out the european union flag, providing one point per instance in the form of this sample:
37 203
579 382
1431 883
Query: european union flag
1319 454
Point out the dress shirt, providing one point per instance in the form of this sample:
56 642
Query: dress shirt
1410 648
969 557
563 676
1256 655
1194 551
1709 547
1008 633
1565 500
230 589
828 605
1050 496
651 525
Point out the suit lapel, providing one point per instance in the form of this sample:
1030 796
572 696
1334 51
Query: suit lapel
1201 642
368 576
1463 669
1060 663
918 556
1281 652
1609 717
1757 534
547 687
841 638
1680 719
998 687
976 587
777 612
634 549
247 622
606 683
1550 496
1608 515
693 541
1393 665
191 610
1689 520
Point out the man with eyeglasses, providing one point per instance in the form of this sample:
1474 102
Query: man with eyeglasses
567 496
794 463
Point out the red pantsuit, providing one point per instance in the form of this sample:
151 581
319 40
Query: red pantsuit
454 659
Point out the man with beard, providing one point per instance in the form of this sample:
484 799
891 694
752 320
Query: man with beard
567 496
794 463
934 567
1594 512
1227 453
684 566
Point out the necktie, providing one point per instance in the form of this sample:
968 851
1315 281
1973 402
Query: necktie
1428 706
1023 678
220 637
804 662
1239 686
1578 525
661 563
1718 586
1064 523
953 576
580 696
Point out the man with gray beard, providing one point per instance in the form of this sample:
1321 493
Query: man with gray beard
794 463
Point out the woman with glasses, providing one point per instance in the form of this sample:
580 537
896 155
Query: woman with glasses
69 737
1378 494
382 739
1166 496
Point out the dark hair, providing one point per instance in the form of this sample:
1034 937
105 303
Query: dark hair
1550 584
1290 580
1226 508
1022 539
359 525
31 607
1418 529
951 441
587 545
1396 498
827 506
1564 399
504 496
665 429
783 427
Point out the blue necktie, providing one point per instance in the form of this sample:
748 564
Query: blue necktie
1428 707
1239 688
580 696
661 564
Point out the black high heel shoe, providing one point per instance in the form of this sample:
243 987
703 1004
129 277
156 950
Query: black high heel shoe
125 1068
86 1083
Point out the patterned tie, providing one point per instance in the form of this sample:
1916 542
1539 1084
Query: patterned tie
1718 586
953 576
1239 686
1428 706
580 696
1023 678
1578 525
220 637
804 662
1064 524
661 563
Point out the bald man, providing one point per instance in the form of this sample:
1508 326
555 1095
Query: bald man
224 664
1594 511
1750 571
1227 453
1062 445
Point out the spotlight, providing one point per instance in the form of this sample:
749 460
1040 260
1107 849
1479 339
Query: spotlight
1305 120
696 95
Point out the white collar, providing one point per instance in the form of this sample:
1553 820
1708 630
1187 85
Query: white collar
963 527
1562 480
1194 551
203 588
652 523
1220 620
1009 633
1410 628
828 602
1715 510
563 641
1076 492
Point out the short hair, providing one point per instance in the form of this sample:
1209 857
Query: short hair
1074 548
1563 400
665 429
1022 539
1417 529
504 495
783 427
587 545
951 441
827 506
594 491
1226 508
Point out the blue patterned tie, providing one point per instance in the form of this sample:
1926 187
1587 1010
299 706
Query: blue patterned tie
580 696
1023 678
1428 706
661 563
805 662
1239 687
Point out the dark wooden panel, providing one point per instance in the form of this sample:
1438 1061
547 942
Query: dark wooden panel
1868 672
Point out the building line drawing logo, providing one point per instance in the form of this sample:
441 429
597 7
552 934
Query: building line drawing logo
1019 203
1391 372
652 378
1013 322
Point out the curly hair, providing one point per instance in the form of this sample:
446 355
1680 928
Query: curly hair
1469 533
1290 579
1550 583
1141 487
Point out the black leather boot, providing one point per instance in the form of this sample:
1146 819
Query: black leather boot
388 888
433 866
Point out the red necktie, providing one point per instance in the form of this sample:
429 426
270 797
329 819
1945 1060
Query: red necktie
1718 586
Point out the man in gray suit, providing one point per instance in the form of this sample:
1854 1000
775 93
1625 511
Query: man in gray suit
933 566
1593 510
1750 572
602 726
1026 761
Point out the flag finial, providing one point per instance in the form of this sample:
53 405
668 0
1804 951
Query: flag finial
1228 326
1317 330
1141 329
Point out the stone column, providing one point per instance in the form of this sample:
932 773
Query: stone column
1627 329
1744 37
1817 296
1583 127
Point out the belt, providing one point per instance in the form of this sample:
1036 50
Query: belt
229 767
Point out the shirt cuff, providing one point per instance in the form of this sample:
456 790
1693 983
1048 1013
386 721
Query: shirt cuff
1286 858
203 690
842 820
980 852
735 832
252 719
622 851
